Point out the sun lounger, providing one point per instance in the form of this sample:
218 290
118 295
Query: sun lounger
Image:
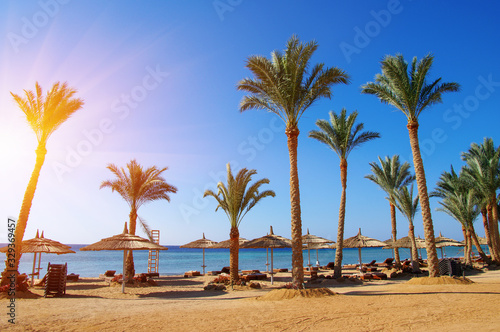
369 269
250 271
374 276
225 269
56 280
329 266
254 276
372 263
72 277
192 274
280 270
386 264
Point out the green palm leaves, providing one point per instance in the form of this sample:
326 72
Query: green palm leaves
285 84
237 198
391 175
406 203
406 88
341 134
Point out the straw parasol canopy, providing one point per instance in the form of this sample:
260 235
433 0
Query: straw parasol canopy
360 241
442 242
225 244
124 242
314 242
404 242
269 241
39 245
202 243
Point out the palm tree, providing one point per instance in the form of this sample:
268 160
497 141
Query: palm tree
236 200
410 92
44 114
390 176
138 186
483 173
408 206
342 136
462 202
286 86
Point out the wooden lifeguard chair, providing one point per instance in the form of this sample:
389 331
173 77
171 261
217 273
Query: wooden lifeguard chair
154 256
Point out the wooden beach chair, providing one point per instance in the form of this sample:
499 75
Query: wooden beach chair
329 266
56 279
372 263
386 264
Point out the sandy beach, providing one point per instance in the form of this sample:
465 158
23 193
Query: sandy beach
181 304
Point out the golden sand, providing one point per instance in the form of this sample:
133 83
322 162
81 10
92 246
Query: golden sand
181 304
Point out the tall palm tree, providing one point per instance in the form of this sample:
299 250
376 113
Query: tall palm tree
408 90
137 186
342 136
408 206
483 172
287 86
390 176
44 114
236 200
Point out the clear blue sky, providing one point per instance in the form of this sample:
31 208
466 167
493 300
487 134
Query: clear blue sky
158 79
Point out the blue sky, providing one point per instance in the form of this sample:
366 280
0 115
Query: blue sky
158 79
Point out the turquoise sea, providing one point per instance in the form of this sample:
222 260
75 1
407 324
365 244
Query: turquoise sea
175 260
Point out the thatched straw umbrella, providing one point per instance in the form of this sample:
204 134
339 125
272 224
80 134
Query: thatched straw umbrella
442 242
404 242
225 244
38 245
124 242
314 242
269 241
360 241
200 244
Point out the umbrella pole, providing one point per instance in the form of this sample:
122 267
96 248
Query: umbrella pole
308 256
317 258
38 269
203 266
272 270
123 275
267 259
33 272
360 264
442 256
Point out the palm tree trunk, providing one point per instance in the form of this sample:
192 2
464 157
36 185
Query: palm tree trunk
22 221
494 229
297 259
415 266
394 234
480 251
495 255
337 270
430 243
466 247
468 257
484 213
129 266
234 246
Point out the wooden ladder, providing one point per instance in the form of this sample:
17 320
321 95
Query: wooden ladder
154 255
